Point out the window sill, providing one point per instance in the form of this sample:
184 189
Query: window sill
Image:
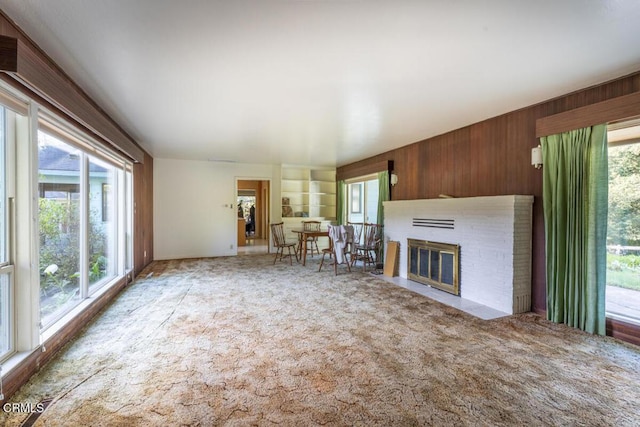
622 318
77 310
14 361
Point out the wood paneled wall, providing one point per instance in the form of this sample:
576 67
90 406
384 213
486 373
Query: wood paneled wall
492 157
142 214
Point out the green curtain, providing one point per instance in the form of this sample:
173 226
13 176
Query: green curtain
383 196
575 199
341 203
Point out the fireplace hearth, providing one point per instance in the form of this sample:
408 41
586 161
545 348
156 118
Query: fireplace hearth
435 264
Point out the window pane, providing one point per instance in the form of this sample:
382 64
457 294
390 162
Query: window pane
372 201
5 318
4 244
362 199
623 233
102 220
59 218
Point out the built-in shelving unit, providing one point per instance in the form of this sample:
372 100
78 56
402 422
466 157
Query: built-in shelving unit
308 194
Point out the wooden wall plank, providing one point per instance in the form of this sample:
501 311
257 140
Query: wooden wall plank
8 54
143 214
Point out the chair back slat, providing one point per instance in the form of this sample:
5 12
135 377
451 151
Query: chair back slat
371 235
311 225
277 230
357 231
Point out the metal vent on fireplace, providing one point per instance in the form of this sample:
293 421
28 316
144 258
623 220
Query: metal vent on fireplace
434 223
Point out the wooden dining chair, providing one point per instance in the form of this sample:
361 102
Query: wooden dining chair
367 250
311 241
280 243
339 237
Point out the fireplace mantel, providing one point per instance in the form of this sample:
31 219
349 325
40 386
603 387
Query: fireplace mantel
494 234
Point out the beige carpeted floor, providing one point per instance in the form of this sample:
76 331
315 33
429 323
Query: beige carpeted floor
238 341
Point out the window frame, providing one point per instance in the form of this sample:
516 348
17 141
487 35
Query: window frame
9 116
364 182
615 143
122 199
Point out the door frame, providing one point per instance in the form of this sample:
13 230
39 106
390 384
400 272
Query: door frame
265 210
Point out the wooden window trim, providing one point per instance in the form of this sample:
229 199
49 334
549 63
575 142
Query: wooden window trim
620 108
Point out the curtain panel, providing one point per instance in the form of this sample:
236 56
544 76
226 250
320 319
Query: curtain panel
384 195
341 202
575 199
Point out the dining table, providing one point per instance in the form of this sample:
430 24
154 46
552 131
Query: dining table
303 236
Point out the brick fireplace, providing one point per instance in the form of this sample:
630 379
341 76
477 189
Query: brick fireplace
494 239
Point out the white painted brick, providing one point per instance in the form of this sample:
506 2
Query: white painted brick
494 234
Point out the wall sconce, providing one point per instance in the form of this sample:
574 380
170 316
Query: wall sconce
394 179
536 157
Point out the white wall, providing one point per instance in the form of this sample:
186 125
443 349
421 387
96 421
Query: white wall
194 205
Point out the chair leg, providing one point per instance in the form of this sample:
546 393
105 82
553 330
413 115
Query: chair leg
299 249
363 258
311 244
321 261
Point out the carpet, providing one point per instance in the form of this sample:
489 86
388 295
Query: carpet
239 341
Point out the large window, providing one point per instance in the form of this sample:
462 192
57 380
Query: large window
623 230
66 207
85 229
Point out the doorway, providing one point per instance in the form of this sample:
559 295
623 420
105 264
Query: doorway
253 216
362 200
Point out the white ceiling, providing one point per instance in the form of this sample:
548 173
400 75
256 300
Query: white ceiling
323 82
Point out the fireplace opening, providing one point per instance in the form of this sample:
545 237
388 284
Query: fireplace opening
435 264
